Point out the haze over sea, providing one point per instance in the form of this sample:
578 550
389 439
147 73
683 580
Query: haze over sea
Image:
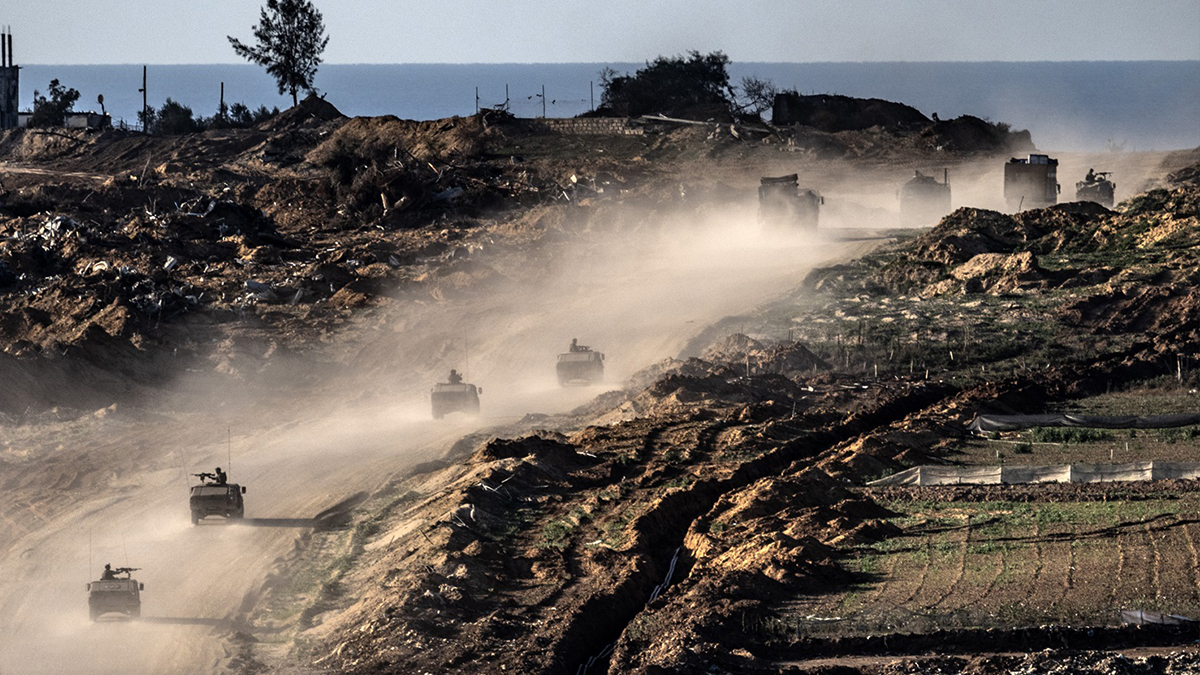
1068 106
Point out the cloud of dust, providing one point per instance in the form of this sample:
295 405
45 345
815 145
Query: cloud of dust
637 286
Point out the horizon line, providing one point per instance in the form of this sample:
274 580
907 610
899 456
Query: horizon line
569 63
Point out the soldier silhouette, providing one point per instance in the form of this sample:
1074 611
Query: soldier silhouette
454 378
220 476
1091 175
108 573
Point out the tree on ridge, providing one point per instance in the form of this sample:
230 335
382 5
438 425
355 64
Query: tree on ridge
290 38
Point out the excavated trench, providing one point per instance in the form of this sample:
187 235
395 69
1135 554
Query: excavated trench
603 619
589 641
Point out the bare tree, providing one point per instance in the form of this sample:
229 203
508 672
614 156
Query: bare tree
290 38
758 96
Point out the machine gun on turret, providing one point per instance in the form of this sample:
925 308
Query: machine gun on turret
116 592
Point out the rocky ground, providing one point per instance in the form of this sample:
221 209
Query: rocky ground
684 522
686 526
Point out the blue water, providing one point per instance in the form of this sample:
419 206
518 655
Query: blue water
1070 106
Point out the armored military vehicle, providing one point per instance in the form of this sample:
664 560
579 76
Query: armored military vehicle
117 592
216 497
580 364
923 200
783 204
1096 187
454 395
1031 183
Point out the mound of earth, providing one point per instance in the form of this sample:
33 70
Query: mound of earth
833 113
313 110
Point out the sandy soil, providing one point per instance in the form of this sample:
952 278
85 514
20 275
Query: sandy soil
115 490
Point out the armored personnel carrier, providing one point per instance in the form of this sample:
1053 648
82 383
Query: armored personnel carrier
923 200
580 365
454 395
216 497
1096 187
117 592
1031 183
783 204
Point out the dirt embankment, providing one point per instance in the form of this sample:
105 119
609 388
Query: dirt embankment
679 525
696 520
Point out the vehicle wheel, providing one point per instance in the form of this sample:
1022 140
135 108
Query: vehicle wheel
239 514
136 612
93 614
195 518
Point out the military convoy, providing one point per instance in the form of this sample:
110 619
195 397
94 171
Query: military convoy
923 200
784 205
1096 187
453 396
215 496
579 365
1031 183
116 592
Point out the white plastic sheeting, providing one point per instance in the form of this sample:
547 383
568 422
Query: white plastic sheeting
1061 473
985 423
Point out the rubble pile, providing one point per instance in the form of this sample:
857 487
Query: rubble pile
698 511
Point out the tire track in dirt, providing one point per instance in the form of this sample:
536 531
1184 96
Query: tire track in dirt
932 585
1140 584
960 571
891 595
1064 587
993 582
1119 576
1176 588
1185 532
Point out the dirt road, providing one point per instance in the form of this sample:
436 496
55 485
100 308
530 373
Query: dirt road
112 488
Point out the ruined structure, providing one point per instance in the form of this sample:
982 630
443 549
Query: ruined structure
9 83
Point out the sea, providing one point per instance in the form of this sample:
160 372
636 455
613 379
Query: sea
1076 106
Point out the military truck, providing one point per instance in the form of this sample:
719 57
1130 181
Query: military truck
216 498
1096 187
923 200
454 396
117 592
1031 183
783 204
580 365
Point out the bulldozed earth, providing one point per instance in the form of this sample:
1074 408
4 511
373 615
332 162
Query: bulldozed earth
708 510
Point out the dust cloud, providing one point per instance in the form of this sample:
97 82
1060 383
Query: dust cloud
636 285
637 288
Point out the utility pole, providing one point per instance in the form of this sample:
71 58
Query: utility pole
476 100
145 115
543 101
592 94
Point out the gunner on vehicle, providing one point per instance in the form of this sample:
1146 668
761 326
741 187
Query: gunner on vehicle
108 574
454 378
1091 176
221 478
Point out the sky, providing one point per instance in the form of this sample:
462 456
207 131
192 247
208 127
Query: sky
599 31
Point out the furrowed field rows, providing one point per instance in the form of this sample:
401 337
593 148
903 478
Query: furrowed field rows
1015 564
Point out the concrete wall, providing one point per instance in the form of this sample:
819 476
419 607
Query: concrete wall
590 126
